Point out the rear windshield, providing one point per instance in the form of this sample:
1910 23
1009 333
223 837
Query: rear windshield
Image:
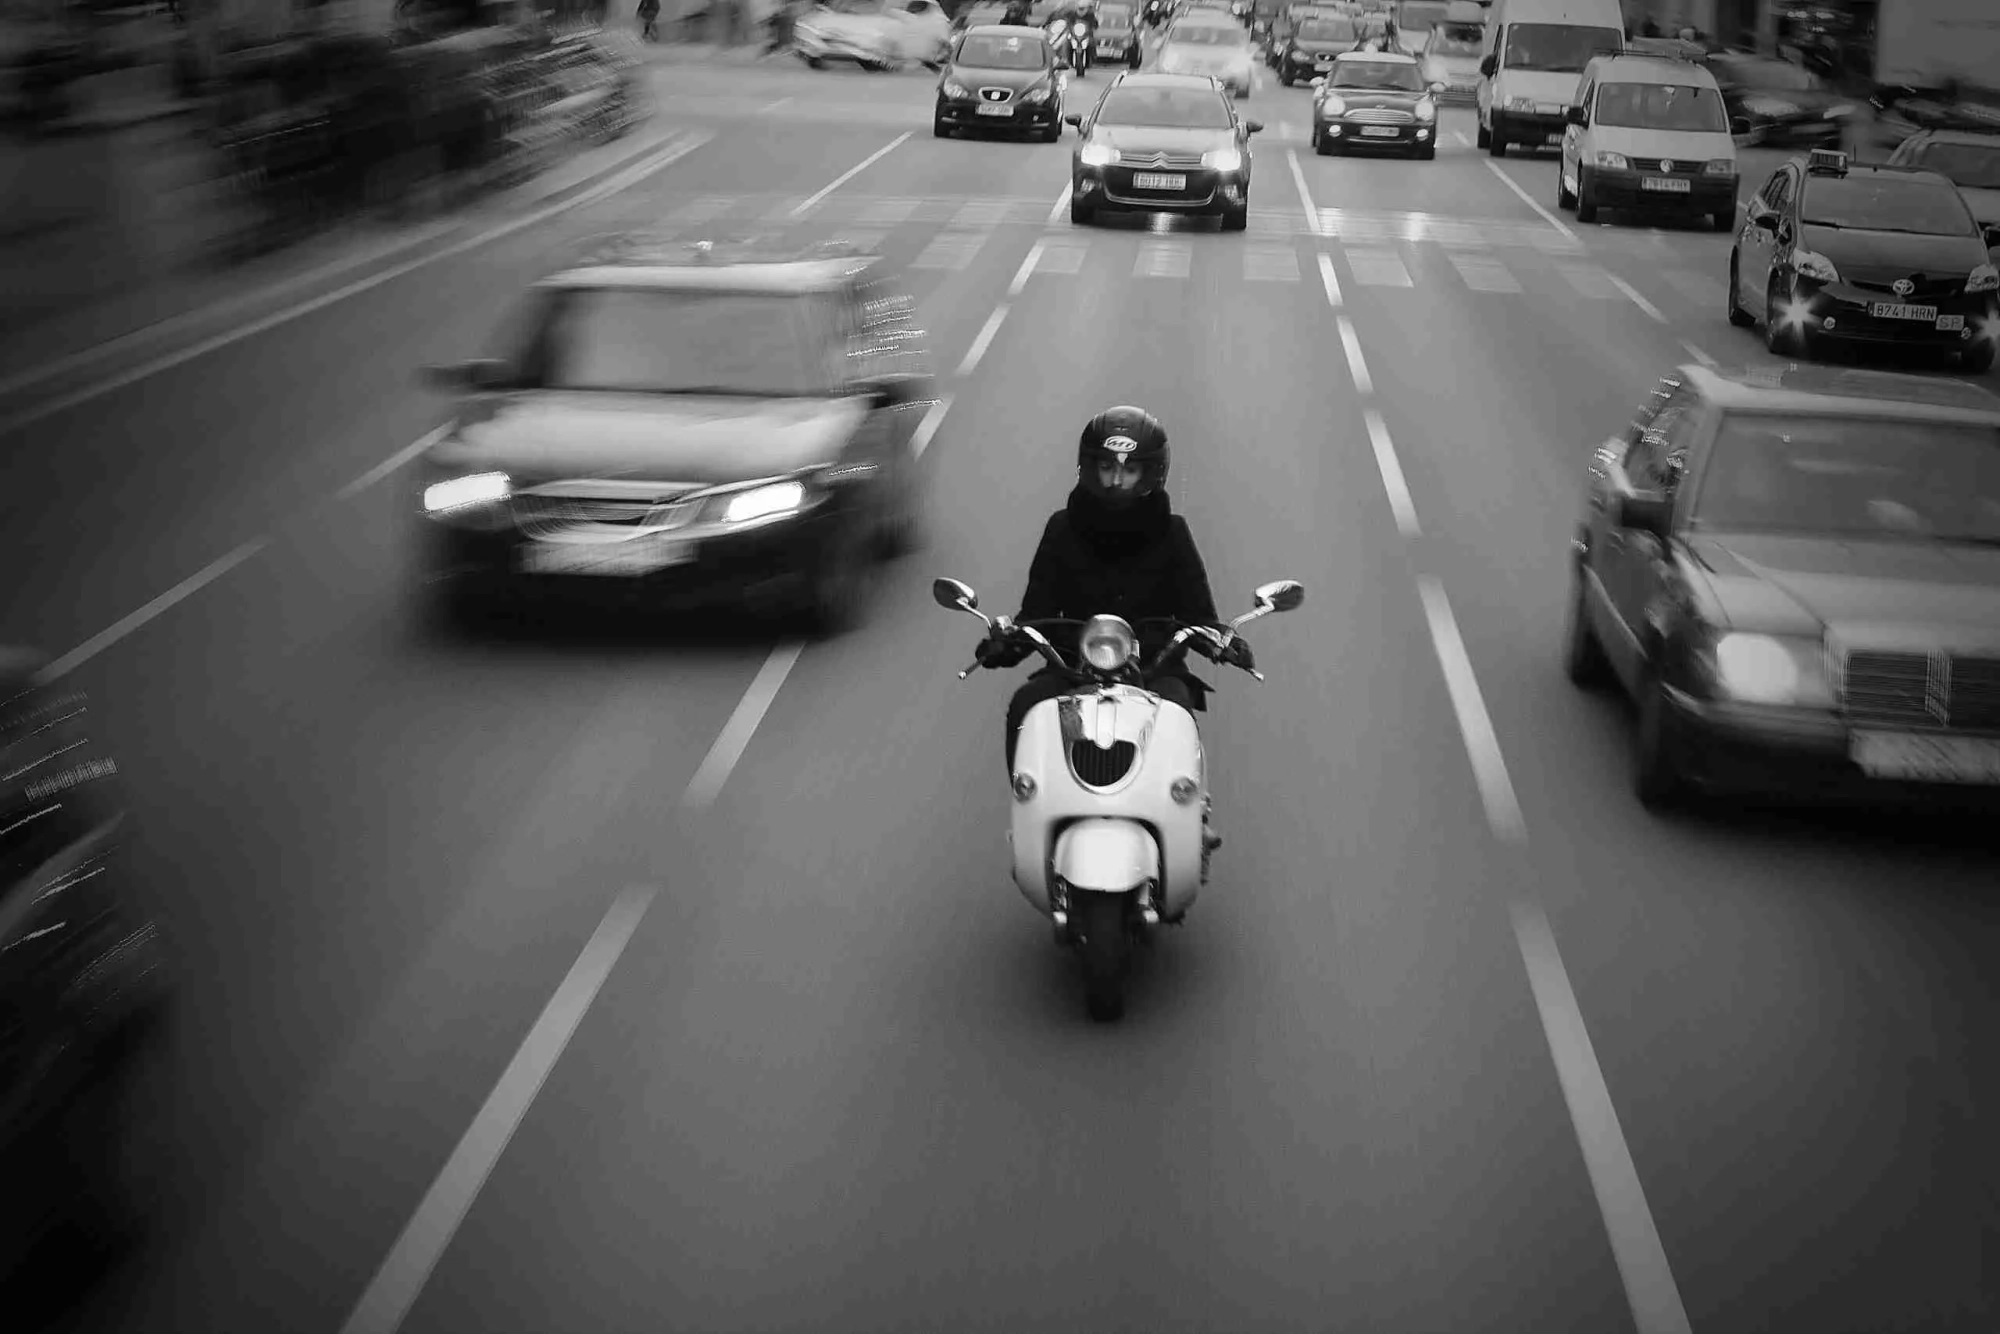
1661 106
1885 204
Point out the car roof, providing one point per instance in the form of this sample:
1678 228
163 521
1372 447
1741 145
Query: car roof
1651 69
1823 390
1149 79
1392 57
1882 169
1975 138
749 265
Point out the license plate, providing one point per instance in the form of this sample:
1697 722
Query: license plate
1666 184
986 109
1380 131
1950 323
615 559
1896 310
1929 759
1152 180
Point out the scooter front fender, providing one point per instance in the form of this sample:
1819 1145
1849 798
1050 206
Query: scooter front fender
1106 855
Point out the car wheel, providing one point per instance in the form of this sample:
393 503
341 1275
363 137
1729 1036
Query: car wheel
1978 358
1586 198
1236 219
1565 201
940 129
1583 655
1658 778
1330 146
1080 213
1483 138
1495 138
1738 316
1427 153
1719 221
1053 133
1287 79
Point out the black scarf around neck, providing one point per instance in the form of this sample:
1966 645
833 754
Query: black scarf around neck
1116 532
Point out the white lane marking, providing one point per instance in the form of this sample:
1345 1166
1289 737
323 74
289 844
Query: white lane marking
1548 217
1392 475
1484 275
1270 264
161 328
920 440
1305 195
1378 268
1638 299
772 106
1461 136
1162 259
1635 1238
678 148
1590 280
985 339
1062 202
391 464
851 173
1356 365
729 745
1482 745
1330 280
166 601
396 1285
1698 354
1026 271
1287 130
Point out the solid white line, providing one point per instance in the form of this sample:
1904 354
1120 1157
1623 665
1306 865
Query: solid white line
721 759
1026 271
1697 353
1482 745
1461 136
1393 482
852 172
1062 202
422 1243
1510 183
985 339
180 592
772 106
920 440
686 143
1635 1239
1355 364
1637 299
1330 280
391 464
1305 195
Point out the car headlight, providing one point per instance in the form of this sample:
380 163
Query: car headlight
1108 643
1985 278
764 501
954 89
482 488
1223 159
1811 264
1520 104
1721 166
1036 95
1427 110
1840 112
1613 161
1332 106
1772 669
1099 155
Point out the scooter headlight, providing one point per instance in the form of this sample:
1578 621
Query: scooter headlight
1025 787
1184 791
1108 643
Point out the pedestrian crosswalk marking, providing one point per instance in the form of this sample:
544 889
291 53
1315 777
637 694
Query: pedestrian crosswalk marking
982 213
1270 264
1274 224
1163 259
1484 275
1590 281
949 250
1378 268
1062 255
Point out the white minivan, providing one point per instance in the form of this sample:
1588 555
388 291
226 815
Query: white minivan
1531 63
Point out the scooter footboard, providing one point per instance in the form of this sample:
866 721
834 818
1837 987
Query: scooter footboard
1106 855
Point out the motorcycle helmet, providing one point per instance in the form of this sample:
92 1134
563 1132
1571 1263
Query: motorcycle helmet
1122 455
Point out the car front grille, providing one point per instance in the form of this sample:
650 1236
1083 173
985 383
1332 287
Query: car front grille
1934 691
996 94
1097 767
1160 161
1682 166
539 513
1379 116
1884 281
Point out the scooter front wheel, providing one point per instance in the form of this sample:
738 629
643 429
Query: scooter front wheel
1106 949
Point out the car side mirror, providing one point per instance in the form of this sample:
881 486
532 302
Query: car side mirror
1577 116
1488 65
954 596
1284 595
1076 120
474 376
1647 512
1992 230
1252 126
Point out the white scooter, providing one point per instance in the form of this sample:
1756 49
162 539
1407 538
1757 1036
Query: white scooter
1110 787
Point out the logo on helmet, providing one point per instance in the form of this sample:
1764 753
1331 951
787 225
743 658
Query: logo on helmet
1121 445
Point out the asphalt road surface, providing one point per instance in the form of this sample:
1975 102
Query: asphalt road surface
603 979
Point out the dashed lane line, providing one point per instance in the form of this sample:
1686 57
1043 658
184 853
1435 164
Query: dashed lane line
1548 217
1357 365
984 340
1393 481
864 164
1305 195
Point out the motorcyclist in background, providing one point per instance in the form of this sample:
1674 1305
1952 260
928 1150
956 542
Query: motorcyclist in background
1116 548
1018 14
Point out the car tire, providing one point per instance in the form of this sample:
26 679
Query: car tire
1080 213
1495 139
1584 661
1658 778
1586 198
1053 133
1565 201
1977 359
1738 316
1330 146
939 129
1287 79
1719 221
1483 138
1428 153
1236 219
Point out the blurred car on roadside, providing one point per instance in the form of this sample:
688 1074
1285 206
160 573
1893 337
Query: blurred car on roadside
1775 102
1970 161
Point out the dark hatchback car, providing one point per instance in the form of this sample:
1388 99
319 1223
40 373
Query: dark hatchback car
1313 45
999 80
685 426
1378 101
1830 250
1970 161
1163 143
1796 574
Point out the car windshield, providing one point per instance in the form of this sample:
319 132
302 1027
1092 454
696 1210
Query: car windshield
1456 39
1558 48
1180 108
853 6
1327 30
1852 477
1207 35
1772 75
1974 166
985 51
634 340
1661 106
1393 74
1886 203
1421 15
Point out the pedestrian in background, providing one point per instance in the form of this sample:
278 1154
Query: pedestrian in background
649 17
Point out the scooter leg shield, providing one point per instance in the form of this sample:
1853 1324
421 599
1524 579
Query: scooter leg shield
1105 855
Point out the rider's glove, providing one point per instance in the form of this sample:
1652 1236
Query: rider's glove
999 653
1238 654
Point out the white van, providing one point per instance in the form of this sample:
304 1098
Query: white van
1532 62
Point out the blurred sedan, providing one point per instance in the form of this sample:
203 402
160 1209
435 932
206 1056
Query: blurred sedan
1776 102
1217 47
1971 161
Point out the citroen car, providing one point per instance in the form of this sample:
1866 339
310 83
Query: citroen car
1214 46
1648 134
1972 161
727 423
1796 575
1831 250
1375 100
1163 143
999 80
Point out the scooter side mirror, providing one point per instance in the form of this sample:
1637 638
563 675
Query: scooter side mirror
954 596
1284 595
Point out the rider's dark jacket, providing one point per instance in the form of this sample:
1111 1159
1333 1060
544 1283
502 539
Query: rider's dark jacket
1136 563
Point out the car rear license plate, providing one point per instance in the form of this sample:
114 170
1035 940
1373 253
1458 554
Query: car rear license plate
1928 759
1896 310
1667 184
988 109
1380 131
615 559
1153 180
